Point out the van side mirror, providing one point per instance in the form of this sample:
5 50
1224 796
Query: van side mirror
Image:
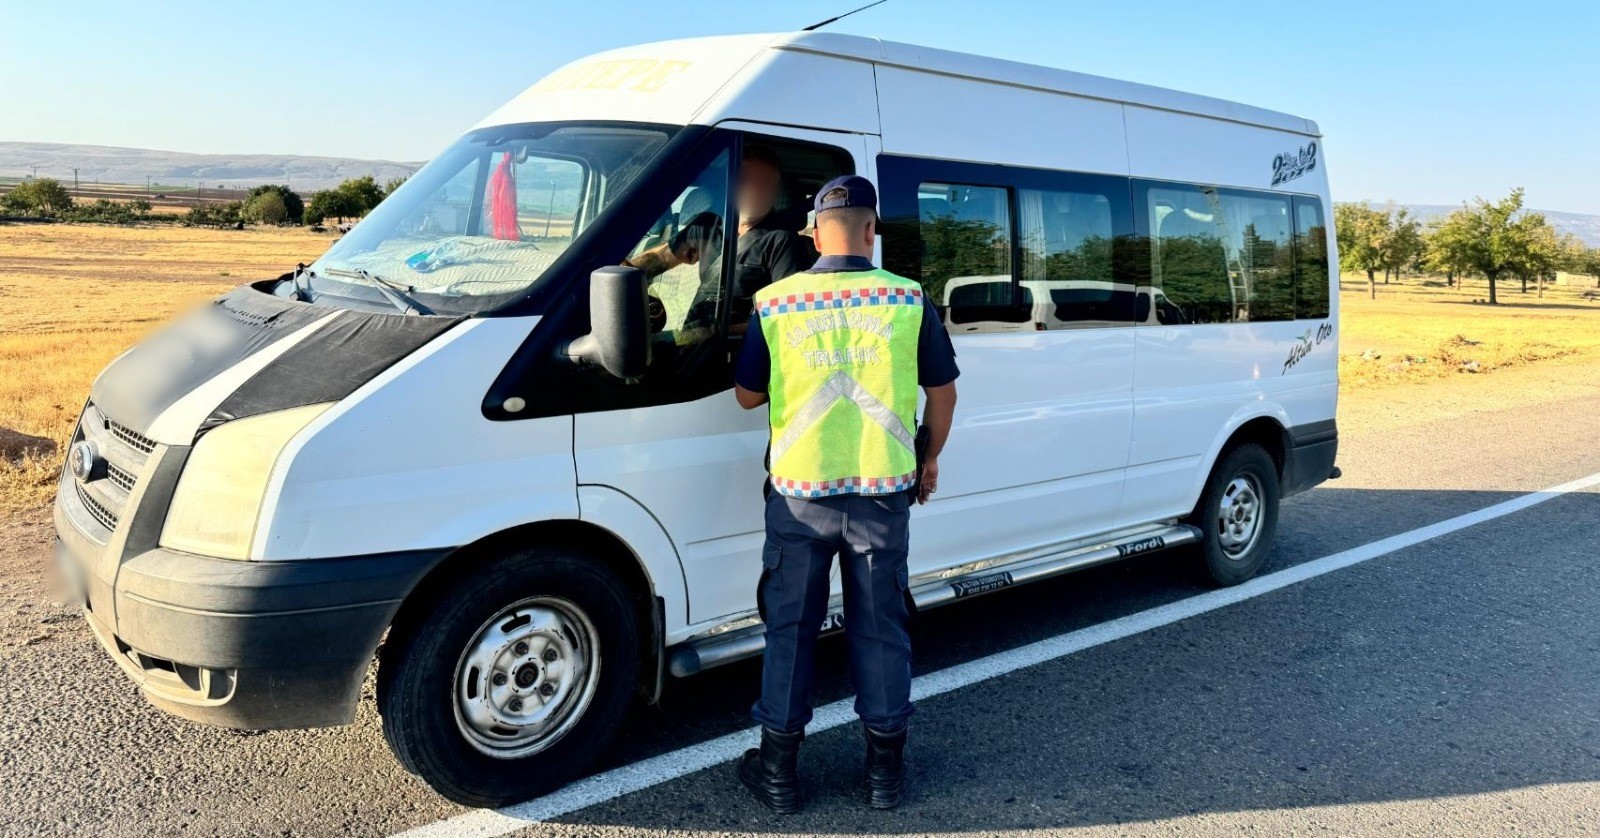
619 324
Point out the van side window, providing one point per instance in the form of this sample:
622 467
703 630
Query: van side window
1068 244
1219 255
966 256
1188 261
1311 259
1260 254
682 256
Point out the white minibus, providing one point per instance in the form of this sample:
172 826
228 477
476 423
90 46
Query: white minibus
473 440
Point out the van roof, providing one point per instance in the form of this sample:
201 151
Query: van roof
1018 74
681 81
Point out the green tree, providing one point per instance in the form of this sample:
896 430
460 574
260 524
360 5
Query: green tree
1538 250
265 208
1587 262
1498 243
363 192
294 207
1403 244
40 196
1363 233
392 184
329 203
1449 245
351 199
228 214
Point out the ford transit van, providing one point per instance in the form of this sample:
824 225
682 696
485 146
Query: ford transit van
472 441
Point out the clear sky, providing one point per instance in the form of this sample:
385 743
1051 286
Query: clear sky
1423 102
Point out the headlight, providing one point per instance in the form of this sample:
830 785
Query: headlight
218 500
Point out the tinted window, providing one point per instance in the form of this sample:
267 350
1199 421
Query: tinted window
684 264
1068 241
966 255
1311 259
1219 255
1188 260
1259 243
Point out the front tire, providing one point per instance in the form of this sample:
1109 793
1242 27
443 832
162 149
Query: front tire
1238 514
507 684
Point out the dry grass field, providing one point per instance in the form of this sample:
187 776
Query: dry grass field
1421 329
74 296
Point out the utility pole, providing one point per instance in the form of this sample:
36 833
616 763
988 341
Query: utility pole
74 178
35 171
147 187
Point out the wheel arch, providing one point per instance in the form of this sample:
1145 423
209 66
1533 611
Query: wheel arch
593 540
1269 430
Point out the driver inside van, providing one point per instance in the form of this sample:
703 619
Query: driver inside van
766 243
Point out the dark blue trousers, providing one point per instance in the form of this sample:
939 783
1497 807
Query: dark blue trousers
869 533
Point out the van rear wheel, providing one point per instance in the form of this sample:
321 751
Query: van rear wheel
1238 514
508 684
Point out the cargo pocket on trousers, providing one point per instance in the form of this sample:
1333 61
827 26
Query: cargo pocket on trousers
771 557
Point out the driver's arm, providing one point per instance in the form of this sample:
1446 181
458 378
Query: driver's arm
686 248
655 261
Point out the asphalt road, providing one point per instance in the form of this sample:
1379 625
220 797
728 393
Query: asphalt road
1450 687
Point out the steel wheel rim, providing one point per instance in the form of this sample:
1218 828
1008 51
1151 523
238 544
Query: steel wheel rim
1239 516
526 677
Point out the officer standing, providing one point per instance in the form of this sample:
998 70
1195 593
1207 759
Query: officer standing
838 352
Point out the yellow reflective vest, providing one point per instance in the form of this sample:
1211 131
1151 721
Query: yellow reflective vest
843 389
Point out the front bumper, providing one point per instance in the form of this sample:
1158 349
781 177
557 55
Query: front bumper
250 645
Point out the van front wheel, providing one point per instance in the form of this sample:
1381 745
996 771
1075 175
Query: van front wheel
508 684
1238 514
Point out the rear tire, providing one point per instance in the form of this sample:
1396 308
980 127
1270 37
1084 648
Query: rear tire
508 684
1238 514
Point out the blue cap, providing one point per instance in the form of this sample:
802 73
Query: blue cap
858 193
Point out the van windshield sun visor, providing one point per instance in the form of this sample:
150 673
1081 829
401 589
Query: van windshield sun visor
333 351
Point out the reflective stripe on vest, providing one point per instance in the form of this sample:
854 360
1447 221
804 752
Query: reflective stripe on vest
843 391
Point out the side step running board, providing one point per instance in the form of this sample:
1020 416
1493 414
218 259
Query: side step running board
717 649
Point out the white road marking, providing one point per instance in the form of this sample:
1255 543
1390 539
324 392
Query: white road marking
626 779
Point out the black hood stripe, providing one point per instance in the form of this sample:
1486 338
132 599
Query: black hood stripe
326 365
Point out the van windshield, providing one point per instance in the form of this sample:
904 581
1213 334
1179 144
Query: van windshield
482 222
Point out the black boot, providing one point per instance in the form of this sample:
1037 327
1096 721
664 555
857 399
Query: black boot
886 768
769 771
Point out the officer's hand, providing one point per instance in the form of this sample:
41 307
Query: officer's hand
930 480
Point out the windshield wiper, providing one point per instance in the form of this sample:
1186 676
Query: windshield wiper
392 291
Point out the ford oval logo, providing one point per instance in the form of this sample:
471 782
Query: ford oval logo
83 459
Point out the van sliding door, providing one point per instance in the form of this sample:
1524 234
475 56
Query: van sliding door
1021 265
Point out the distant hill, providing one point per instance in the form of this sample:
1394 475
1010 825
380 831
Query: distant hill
107 164
1585 227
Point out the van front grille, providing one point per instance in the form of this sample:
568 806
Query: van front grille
133 438
124 453
96 509
117 475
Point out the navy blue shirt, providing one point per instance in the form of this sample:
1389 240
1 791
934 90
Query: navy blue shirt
936 357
